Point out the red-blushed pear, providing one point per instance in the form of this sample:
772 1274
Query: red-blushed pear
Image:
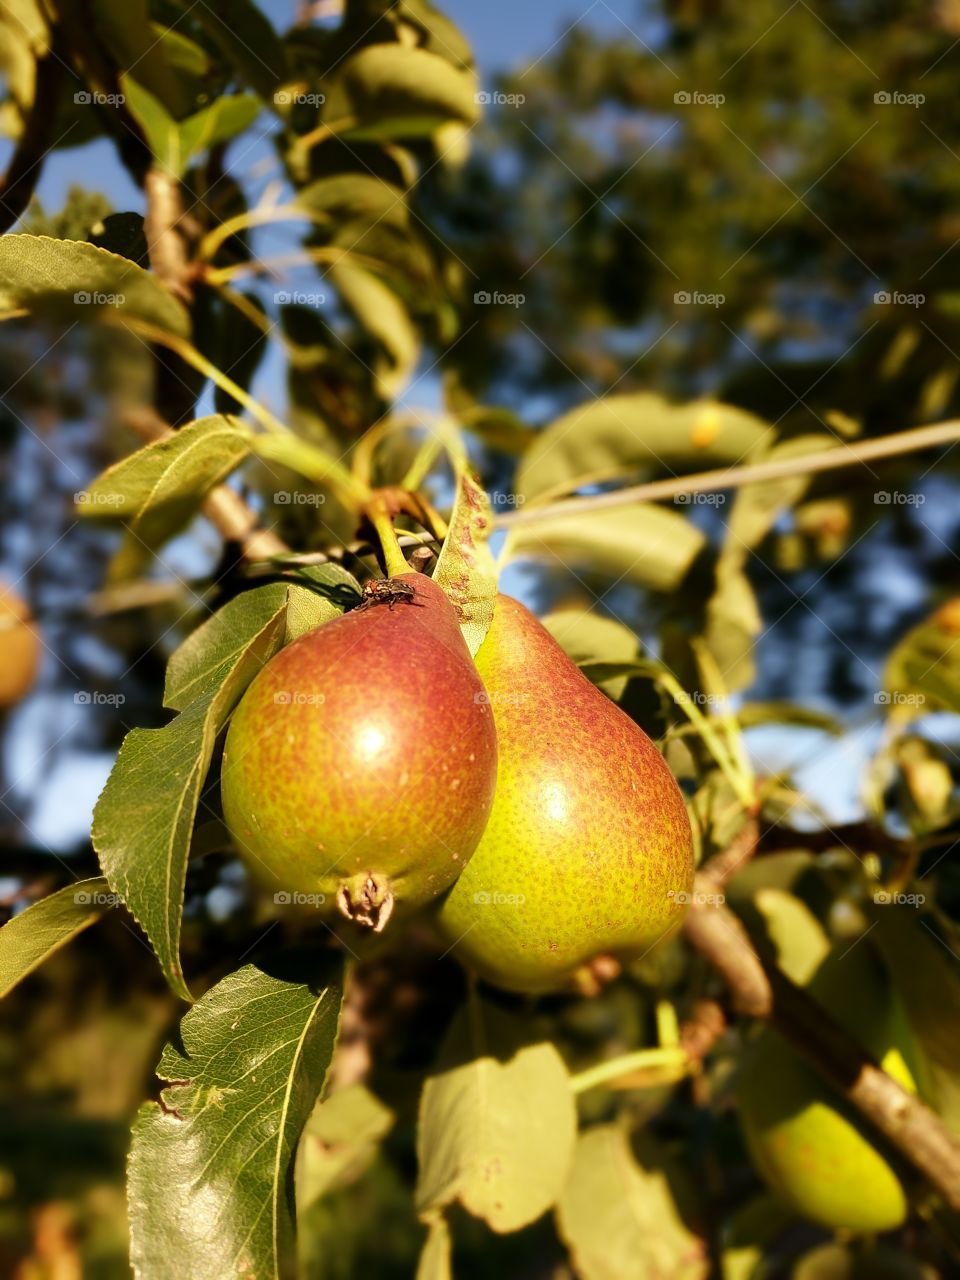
360 765
588 850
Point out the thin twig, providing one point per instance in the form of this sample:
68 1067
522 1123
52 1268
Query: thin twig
841 455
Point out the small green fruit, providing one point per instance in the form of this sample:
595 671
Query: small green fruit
360 765
588 849
804 1139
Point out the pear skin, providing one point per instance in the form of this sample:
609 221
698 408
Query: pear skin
360 765
588 849
804 1139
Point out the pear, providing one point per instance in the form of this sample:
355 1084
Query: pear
19 648
360 765
804 1139
588 850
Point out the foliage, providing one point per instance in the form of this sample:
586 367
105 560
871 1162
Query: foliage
389 1116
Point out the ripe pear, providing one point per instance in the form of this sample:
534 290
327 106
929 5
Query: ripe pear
803 1137
19 648
588 849
360 765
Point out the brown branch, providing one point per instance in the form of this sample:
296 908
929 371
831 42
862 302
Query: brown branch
759 989
224 508
17 184
162 226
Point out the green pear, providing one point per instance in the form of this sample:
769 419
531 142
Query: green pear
588 849
360 765
805 1140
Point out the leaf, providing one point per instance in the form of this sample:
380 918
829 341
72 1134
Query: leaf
925 968
923 671
48 925
435 1260
643 544
733 626
123 27
339 1141
466 569
618 436
498 1137
394 91
246 38
73 280
757 507
752 714
158 489
619 1217
174 143
144 817
796 935
210 1171
381 313
586 636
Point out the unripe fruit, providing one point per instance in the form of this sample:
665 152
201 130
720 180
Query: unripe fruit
360 765
19 648
588 850
804 1139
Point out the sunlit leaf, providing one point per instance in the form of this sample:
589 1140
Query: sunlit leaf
48 925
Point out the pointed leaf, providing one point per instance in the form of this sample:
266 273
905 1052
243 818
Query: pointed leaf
498 1137
379 311
210 1172
158 489
144 817
465 567
76 281
48 925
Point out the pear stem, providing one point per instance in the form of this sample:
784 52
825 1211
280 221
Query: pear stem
630 1063
393 558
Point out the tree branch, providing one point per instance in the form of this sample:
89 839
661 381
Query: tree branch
17 184
162 228
758 989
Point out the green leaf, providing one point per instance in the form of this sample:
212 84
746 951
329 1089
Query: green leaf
48 925
174 143
158 489
75 281
246 39
381 313
757 713
619 1217
210 1170
797 937
498 1137
435 1259
923 960
586 636
644 544
923 671
340 1141
124 28
757 507
617 436
356 196
393 91
733 626
466 569
144 817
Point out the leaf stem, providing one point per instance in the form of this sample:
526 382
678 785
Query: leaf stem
629 1063
393 557
742 786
